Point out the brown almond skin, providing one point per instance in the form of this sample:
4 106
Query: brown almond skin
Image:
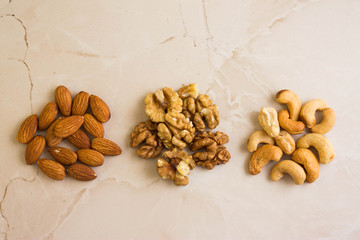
68 125
63 100
81 172
63 155
105 146
90 157
52 169
79 139
47 115
27 129
34 149
51 139
80 103
93 126
99 109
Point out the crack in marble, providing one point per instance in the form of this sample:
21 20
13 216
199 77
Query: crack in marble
87 55
167 40
186 34
5 194
210 36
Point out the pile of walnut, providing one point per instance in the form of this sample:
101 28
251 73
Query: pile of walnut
304 164
74 115
176 120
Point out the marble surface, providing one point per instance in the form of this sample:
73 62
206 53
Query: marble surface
240 53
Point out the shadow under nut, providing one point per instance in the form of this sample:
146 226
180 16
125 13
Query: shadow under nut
320 143
296 172
327 123
311 164
256 138
307 113
291 126
262 156
292 101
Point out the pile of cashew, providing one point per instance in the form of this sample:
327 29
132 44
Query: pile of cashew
276 139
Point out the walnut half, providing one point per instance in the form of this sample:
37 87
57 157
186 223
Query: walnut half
215 153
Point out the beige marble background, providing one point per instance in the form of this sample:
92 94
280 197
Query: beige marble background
240 53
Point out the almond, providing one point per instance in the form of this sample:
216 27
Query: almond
52 169
27 129
63 100
105 146
90 157
80 103
51 139
79 139
34 149
93 126
81 172
63 155
68 125
47 115
99 109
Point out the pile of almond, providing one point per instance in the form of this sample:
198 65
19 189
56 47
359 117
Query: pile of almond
73 124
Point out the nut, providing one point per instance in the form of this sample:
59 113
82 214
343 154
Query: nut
63 155
141 132
258 137
63 100
311 164
307 113
99 109
27 129
80 103
160 102
81 172
292 168
188 91
68 125
51 139
320 143
52 169
207 110
292 126
292 101
34 149
286 142
90 157
269 121
262 156
79 139
177 168
105 146
328 122
47 115
93 126
215 153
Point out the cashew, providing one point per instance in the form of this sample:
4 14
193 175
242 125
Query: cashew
286 142
307 113
269 121
320 143
328 122
293 127
292 101
311 164
262 156
258 137
292 168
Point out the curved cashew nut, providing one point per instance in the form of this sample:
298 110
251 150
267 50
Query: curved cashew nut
258 137
292 101
286 142
307 113
328 122
311 164
320 143
268 120
293 127
262 156
292 168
